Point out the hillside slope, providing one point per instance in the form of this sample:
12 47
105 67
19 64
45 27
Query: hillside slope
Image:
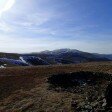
60 56
27 89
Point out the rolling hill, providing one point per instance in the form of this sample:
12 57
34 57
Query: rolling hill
59 56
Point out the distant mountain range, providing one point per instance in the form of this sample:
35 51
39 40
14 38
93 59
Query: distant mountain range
60 56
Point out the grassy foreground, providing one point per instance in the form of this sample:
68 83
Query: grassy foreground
25 89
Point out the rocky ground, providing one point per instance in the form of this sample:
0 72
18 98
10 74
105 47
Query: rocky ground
28 90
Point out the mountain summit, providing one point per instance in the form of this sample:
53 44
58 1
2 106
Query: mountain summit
59 56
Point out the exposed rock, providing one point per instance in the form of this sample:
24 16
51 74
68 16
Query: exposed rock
104 104
95 104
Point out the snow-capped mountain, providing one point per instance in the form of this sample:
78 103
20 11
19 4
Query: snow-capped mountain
68 56
60 56
60 51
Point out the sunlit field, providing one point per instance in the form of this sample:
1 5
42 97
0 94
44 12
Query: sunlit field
28 89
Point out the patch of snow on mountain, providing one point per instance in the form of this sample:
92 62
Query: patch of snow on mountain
23 60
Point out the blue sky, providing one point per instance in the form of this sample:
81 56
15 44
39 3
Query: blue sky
37 25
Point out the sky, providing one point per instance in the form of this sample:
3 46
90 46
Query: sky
37 25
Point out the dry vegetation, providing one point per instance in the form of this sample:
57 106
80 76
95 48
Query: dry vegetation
25 89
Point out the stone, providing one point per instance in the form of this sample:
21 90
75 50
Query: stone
104 104
89 107
95 104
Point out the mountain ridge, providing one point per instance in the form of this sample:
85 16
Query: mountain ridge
58 56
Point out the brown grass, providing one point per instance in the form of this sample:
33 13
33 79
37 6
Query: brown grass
25 89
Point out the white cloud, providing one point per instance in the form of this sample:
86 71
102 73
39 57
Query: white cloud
32 20
26 45
22 15
4 27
